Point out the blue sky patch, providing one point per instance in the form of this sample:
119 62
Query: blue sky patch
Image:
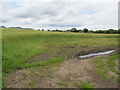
13 4
92 12
65 25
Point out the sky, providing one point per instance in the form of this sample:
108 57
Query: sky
60 14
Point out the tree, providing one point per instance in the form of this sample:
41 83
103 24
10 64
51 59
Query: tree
111 31
42 29
73 30
85 30
91 31
80 30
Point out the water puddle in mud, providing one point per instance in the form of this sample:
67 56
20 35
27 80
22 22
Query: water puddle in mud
96 54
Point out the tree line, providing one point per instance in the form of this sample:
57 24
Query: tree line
85 30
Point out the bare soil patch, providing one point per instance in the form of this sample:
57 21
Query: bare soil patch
76 70
70 71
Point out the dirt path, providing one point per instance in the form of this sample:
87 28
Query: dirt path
70 71
77 70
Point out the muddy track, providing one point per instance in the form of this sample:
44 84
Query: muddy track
70 71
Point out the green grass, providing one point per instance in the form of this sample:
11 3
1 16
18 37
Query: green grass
48 75
105 64
85 85
21 44
31 84
48 62
112 64
62 83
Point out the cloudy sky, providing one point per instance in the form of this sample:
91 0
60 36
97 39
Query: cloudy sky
54 14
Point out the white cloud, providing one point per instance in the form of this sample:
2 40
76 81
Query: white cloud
62 15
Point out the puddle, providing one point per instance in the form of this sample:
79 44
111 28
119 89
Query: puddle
95 54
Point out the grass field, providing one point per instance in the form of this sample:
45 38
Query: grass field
107 67
21 46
